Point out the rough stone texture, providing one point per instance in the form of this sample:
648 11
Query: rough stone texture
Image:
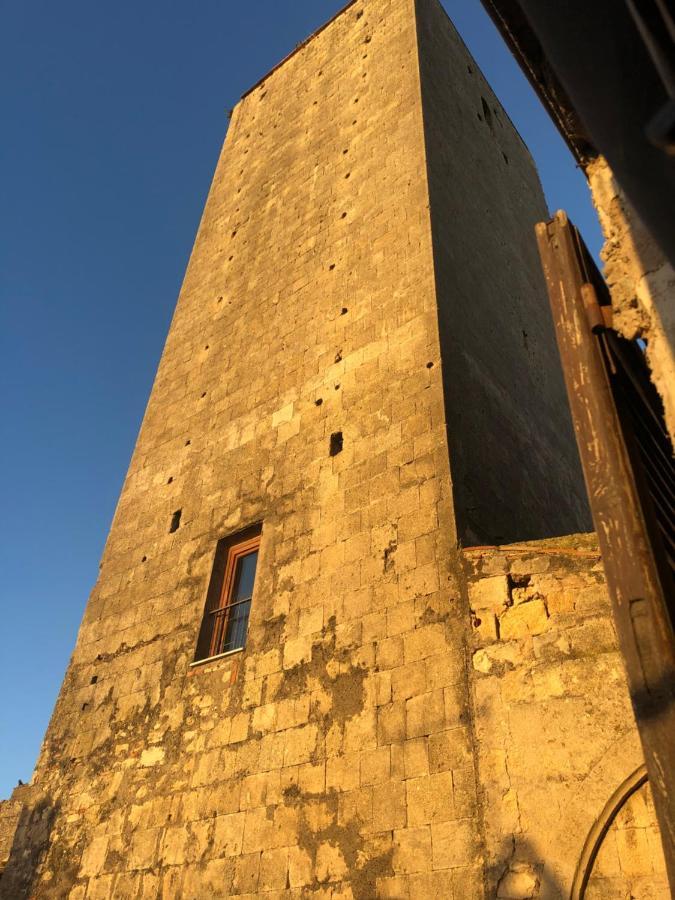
554 729
630 862
337 756
284 767
10 812
641 281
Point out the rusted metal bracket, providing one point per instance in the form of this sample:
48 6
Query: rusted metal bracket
638 571
599 317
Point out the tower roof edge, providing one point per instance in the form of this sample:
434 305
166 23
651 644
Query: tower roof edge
298 47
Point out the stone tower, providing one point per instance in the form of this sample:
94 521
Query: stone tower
291 680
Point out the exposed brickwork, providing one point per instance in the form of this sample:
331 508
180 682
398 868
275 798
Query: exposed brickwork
337 756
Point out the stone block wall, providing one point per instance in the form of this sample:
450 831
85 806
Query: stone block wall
333 756
10 812
630 862
555 734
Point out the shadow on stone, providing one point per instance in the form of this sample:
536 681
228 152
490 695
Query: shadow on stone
520 874
19 878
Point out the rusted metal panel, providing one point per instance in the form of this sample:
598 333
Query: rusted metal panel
624 495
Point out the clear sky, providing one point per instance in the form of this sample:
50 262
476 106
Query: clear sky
112 117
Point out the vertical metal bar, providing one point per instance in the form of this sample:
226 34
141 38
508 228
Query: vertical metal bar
638 602
217 631
653 23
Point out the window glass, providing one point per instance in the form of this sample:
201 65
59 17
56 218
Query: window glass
245 576
237 625
237 619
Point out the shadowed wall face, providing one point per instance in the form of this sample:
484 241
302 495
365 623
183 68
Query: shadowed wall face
515 468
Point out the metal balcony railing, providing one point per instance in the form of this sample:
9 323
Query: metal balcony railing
229 627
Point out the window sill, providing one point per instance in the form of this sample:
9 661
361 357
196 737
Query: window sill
213 659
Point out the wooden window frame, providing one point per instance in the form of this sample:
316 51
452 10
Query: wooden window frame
229 552
219 630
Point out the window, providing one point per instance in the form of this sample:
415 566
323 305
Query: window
228 602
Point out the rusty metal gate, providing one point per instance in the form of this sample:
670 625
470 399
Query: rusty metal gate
629 469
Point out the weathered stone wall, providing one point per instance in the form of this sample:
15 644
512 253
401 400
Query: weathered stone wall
335 754
630 862
555 734
10 812
641 281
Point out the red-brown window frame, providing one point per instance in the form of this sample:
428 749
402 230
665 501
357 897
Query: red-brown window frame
219 597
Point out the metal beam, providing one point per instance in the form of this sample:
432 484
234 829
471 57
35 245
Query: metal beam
604 91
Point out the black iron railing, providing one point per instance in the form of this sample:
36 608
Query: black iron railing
229 626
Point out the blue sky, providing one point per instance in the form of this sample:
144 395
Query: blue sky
113 116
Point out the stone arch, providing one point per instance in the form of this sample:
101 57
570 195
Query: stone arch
622 854
579 810
601 827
